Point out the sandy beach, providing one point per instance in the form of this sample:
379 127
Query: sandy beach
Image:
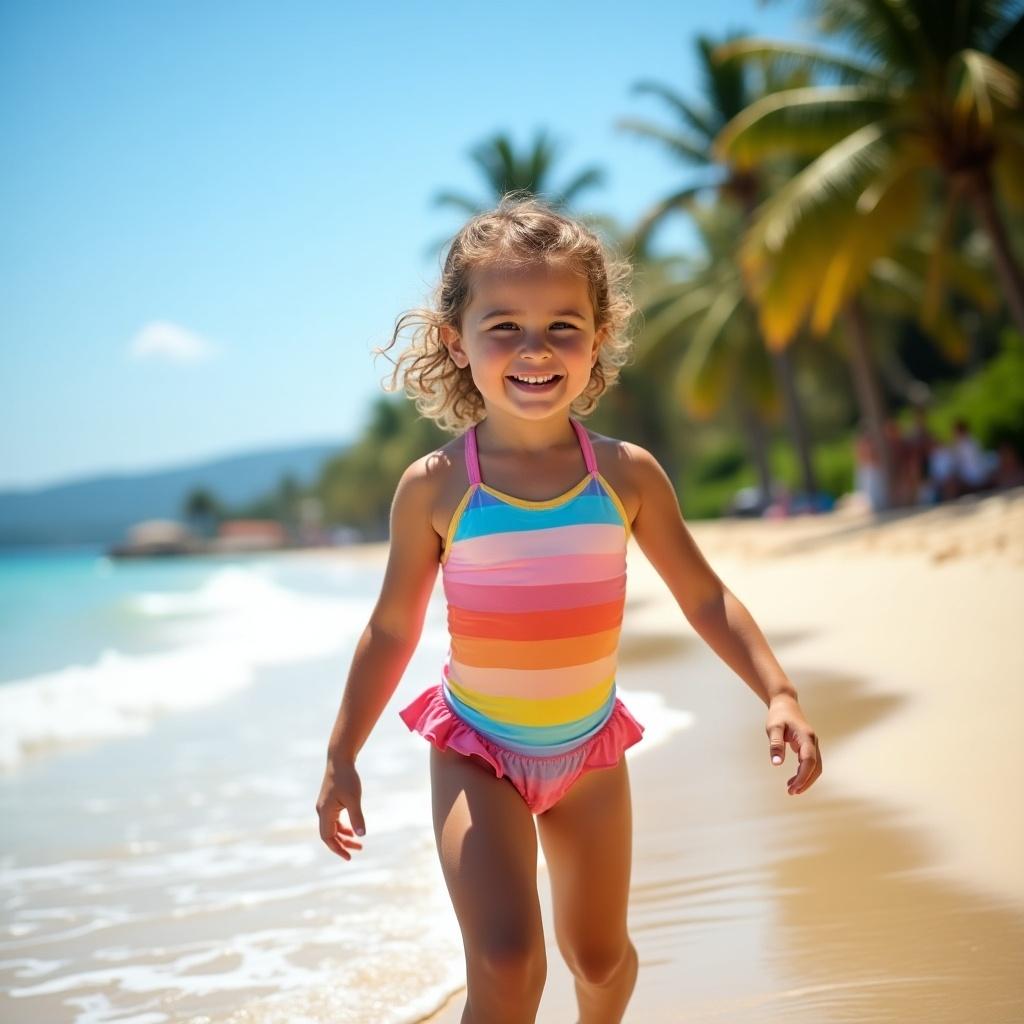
892 889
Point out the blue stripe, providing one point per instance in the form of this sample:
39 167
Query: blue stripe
479 520
536 740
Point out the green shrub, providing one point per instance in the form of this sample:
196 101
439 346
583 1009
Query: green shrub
990 400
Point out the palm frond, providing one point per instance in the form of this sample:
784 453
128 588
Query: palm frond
676 201
839 174
799 122
538 162
496 162
783 58
888 30
788 249
985 82
702 122
705 366
691 150
727 86
588 178
894 207
689 301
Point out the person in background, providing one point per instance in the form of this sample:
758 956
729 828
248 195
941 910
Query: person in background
868 471
900 457
974 469
1010 471
919 443
941 472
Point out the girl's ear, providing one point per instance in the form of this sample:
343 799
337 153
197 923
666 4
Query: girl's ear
451 340
598 342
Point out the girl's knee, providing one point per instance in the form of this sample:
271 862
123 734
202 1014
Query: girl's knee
511 966
599 963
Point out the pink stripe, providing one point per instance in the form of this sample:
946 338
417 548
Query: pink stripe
584 568
495 548
533 684
485 598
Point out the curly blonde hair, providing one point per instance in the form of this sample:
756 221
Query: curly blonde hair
521 231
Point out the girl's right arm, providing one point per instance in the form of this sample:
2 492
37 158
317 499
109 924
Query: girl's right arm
382 652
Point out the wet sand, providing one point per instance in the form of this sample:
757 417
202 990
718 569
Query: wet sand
892 889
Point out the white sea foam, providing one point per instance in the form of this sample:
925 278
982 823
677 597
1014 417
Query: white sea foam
237 621
660 721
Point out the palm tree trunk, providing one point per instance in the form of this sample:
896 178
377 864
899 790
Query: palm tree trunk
783 360
1009 271
869 392
784 371
757 442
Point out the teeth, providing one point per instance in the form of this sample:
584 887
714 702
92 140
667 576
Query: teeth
534 380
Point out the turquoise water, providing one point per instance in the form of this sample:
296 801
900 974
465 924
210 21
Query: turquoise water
65 606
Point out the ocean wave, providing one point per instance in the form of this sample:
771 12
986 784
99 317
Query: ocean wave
220 634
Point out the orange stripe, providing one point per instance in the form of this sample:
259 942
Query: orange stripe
580 650
562 623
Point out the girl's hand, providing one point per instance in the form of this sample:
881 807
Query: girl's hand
786 724
341 789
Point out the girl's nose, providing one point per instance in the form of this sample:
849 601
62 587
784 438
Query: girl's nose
534 342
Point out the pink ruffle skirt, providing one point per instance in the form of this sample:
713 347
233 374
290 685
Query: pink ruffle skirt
541 780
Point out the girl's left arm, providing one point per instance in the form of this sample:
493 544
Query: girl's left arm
718 616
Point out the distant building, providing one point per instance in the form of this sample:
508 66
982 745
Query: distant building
250 535
158 537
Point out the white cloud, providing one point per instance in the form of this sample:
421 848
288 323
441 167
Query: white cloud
170 343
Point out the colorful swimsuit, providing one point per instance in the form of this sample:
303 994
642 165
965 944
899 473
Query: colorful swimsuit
535 593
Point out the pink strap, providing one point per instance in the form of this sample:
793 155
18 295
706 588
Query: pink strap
472 460
588 450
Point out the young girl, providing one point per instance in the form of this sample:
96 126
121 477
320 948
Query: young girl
528 513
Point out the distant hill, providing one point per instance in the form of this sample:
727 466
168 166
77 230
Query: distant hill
100 509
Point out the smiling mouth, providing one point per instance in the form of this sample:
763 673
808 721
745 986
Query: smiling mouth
535 382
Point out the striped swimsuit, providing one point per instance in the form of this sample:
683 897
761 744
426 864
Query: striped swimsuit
535 593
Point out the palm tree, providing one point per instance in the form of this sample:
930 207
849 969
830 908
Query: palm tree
202 507
505 170
726 364
929 103
728 89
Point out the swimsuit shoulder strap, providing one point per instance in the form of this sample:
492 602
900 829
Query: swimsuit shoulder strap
588 448
472 460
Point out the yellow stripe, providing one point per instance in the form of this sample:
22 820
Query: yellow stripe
525 711
456 516
547 503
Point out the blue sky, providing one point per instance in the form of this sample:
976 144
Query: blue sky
214 211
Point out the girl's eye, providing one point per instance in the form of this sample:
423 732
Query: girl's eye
558 323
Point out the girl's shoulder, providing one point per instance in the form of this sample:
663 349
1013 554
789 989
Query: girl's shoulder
443 472
622 464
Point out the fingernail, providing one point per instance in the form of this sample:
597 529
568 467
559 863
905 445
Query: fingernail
360 832
776 759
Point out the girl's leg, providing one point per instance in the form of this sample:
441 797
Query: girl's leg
587 838
487 843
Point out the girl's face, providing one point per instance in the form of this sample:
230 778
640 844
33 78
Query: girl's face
535 322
